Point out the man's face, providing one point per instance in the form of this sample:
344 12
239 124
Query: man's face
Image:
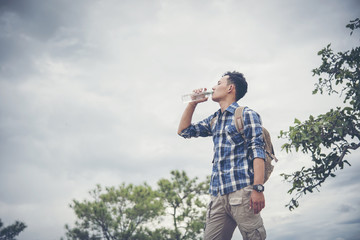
221 89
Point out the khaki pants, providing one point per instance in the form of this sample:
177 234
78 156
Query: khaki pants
226 212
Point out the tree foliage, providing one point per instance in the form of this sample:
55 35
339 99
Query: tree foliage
132 212
11 231
184 200
329 137
117 213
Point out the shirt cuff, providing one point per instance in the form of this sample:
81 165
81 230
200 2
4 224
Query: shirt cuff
186 133
257 153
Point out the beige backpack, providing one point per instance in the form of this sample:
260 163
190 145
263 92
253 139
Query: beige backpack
269 150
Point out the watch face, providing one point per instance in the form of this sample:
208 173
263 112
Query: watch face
259 188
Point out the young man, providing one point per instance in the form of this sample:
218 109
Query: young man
238 165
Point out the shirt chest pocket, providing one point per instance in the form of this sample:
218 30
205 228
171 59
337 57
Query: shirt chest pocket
233 135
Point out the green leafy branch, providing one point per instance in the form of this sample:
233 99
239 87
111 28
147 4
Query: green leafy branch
329 137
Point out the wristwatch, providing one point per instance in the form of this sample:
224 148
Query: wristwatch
259 188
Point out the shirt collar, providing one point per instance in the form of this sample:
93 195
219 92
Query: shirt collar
231 108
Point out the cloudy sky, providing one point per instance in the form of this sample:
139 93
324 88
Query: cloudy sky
90 93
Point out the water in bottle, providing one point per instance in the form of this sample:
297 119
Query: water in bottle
191 97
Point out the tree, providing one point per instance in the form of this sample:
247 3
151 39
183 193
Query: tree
184 198
329 137
132 212
117 213
11 231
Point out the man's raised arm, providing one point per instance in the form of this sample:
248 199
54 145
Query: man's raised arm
186 118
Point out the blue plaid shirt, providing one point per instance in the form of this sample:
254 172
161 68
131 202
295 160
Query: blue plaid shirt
233 157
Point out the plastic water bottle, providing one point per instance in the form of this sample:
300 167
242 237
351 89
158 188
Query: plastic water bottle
191 97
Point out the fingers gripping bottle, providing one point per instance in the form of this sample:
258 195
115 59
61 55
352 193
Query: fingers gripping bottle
191 97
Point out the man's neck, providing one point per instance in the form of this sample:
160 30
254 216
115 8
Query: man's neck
224 104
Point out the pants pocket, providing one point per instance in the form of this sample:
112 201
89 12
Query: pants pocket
209 209
257 234
238 202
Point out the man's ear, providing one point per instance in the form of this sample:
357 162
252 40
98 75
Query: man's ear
231 88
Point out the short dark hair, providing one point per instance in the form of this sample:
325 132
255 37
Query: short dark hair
239 81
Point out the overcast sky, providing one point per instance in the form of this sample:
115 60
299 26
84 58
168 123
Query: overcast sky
90 94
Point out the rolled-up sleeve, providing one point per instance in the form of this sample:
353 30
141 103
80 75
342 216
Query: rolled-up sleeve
253 135
200 129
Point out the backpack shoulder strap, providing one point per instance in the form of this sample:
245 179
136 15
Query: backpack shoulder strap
239 121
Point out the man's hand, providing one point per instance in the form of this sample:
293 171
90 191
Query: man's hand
199 91
257 201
